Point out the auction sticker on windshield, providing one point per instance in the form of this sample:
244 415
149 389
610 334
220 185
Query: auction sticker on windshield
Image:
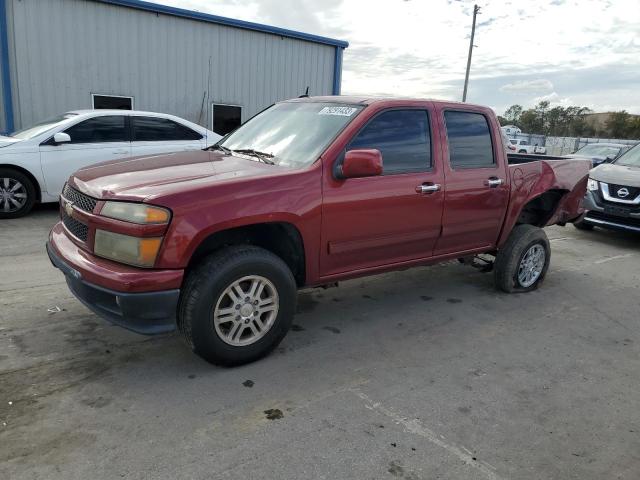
342 111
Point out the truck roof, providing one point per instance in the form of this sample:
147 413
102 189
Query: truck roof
369 100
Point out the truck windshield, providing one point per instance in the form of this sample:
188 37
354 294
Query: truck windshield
292 134
599 150
631 158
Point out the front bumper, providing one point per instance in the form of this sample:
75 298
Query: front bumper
147 313
614 217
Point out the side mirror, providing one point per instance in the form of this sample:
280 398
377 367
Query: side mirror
61 137
361 163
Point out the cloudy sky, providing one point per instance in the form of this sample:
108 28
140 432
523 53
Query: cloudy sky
569 52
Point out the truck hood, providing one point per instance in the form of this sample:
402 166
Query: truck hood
148 177
617 174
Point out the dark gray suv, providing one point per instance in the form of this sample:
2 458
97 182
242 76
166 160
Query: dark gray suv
613 195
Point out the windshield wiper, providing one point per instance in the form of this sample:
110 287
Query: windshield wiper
218 147
263 156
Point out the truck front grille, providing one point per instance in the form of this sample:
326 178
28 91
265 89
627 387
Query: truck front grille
75 227
80 200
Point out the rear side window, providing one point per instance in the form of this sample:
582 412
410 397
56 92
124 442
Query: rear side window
403 138
469 140
151 129
110 128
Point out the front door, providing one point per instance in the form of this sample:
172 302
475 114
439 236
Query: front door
93 140
375 221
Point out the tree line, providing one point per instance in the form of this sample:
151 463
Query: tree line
570 122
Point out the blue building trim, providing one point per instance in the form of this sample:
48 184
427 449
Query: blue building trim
337 71
7 98
258 27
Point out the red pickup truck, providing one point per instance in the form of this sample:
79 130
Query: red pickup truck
308 192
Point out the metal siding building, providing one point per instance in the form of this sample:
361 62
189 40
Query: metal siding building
57 53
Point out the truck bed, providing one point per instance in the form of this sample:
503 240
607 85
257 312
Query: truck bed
564 179
518 158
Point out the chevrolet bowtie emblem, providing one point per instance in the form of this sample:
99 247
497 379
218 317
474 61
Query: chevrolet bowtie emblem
68 207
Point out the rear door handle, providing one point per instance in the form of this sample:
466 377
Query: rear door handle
493 182
119 152
428 188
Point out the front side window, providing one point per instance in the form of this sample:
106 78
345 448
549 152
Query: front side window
402 137
108 128
151 129
469 139
292 134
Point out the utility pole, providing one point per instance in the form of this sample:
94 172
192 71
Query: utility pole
476 10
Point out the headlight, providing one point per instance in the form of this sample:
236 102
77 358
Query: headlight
141 252
592 184
135 212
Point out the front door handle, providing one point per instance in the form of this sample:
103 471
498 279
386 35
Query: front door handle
428 188
493 182
120 152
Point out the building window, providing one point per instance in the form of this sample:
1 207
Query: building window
226 118
112 102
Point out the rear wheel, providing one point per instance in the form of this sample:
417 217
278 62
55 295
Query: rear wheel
17 193
237 306
522 263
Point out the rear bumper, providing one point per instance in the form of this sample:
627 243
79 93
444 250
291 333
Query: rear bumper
147 312
599 216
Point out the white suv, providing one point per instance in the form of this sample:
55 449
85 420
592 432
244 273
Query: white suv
522 146
36 162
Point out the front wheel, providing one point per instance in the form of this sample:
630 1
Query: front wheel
237 306
17 193
523 261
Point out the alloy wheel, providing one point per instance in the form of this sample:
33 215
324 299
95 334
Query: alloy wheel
531 265
246 310
13 195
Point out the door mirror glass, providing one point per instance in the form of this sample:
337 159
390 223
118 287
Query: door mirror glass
361 163
61 137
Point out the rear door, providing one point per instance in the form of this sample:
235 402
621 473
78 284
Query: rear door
477 192
94 140
156 135
375 221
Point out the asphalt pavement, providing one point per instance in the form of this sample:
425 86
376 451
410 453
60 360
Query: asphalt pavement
428 373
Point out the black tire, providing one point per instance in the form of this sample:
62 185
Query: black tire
583 226
205 286
522 151
29 189
509 257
